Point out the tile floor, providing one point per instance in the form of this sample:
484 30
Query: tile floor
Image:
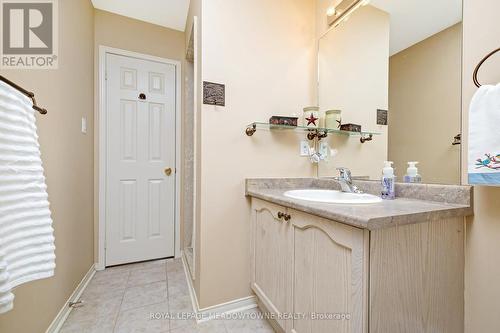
124 298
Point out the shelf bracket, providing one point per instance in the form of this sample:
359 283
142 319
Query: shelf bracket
251 130
365 138
314 133
322 135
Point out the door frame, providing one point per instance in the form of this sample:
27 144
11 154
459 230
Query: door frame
101 117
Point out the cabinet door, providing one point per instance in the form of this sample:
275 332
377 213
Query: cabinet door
271 259
330 264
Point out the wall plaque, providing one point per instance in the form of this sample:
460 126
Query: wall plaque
382 117
214 93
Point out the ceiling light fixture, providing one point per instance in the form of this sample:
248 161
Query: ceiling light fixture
348 7
331 11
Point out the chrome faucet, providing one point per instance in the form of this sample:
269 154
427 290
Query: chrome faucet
345 181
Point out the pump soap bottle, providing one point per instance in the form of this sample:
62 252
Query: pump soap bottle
388 181
412 175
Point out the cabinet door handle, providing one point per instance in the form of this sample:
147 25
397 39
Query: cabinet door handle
283 216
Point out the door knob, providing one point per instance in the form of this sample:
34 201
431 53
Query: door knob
168 171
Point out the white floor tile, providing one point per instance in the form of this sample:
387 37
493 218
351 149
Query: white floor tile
144 276
213 326
180 309
105 283
148 297
145 294
148 319
249 323
148 264
95 316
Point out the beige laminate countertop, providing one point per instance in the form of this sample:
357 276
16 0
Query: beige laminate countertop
447 201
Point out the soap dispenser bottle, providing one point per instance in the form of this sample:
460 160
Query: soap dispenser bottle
412 175
388 181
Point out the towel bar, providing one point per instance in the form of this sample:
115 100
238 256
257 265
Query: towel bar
476 71
25 92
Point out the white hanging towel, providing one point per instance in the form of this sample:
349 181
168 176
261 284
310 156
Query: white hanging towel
26 234
484 137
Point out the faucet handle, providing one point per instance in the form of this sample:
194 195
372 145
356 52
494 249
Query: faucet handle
345 173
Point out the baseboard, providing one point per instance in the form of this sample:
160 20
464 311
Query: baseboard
237 305
59 320
211 312
277 328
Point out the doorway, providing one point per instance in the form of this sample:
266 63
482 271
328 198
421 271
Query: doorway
139 150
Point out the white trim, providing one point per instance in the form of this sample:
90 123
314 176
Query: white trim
194 35
102 120
237 305
59 320
212 312
178 157
192 292
196 89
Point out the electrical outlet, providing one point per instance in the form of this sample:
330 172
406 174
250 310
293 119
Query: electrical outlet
324 148
304 148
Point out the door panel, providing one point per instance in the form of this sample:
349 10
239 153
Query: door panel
271 258
128 210
128 128
155 131
330 277
140 146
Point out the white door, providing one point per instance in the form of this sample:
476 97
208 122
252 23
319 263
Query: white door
140 173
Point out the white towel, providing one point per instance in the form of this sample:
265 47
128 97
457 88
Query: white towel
484 136
26 234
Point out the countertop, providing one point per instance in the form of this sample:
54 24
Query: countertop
445 201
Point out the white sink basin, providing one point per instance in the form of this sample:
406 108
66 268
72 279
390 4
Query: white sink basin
336 197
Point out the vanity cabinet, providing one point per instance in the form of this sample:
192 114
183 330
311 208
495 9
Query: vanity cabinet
307 265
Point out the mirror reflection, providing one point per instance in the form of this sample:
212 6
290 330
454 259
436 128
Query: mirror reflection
394 73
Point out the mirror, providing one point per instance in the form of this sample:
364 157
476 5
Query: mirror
393 67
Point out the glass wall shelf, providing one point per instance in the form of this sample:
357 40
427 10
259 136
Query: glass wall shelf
311 132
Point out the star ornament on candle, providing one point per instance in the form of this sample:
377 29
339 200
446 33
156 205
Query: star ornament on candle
311 120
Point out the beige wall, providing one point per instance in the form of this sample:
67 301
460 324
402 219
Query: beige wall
132 35
482 305
425 95
354 77
67 156
263 51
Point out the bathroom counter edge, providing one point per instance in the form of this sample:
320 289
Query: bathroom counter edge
401 211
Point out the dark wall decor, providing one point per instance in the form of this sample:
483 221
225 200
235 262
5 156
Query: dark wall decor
382 117
214 93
